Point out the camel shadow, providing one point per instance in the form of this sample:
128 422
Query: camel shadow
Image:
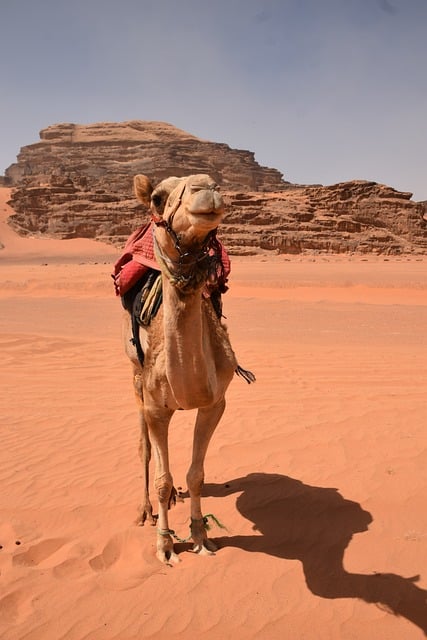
315 525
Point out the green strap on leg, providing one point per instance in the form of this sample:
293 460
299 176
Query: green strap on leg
210 516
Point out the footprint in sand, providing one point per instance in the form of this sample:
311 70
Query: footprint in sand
39 553
125 560
16 606
45 554
71 569
109 556
76 565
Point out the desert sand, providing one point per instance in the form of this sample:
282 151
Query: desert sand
318 471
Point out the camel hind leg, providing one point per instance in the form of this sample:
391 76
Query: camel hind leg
146 508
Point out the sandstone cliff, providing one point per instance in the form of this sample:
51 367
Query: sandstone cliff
108 154
357 216
77 182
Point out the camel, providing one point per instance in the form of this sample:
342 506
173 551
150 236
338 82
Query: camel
189 362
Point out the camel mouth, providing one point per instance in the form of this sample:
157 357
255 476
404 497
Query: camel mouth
207 214
206 218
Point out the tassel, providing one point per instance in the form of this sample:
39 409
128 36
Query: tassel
245 374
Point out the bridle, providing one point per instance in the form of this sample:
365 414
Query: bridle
193 268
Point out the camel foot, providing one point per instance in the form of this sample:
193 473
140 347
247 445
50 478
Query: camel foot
202 544
168 557
146 515
165 551
205 548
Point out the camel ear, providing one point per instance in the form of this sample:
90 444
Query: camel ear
143 189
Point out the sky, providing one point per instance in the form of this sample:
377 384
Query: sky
322 90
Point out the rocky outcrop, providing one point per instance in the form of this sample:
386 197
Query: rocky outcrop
107 155
357 216
77 182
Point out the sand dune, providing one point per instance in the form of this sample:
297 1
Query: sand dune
318 471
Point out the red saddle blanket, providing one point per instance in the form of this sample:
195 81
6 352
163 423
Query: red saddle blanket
138 256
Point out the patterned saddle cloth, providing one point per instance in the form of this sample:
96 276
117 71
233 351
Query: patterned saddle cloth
138 258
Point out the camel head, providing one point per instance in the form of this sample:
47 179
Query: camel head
186 213
191 206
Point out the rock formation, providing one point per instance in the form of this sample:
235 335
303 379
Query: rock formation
357 216
77 182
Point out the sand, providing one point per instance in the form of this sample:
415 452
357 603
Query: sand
318 471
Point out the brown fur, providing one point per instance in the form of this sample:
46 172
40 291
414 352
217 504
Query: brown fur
189 361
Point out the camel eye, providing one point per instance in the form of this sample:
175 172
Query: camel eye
156 200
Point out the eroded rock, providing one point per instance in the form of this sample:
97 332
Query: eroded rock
77 182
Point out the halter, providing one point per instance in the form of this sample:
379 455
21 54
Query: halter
192 268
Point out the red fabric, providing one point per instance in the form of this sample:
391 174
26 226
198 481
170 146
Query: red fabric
129 275
136 259
138 256
140 245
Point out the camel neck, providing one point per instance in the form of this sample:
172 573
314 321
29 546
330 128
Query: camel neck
188 350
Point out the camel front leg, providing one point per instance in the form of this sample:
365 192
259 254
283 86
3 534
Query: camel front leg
207 420
158 425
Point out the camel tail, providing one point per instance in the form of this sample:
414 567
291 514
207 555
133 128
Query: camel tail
245 374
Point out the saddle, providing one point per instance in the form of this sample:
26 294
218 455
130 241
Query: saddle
142 301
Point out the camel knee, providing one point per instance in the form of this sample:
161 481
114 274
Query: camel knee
164 487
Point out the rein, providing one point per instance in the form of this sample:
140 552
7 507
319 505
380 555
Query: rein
192 268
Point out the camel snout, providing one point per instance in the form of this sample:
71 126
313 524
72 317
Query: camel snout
206 201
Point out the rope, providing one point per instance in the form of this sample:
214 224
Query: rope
207 526
185 282
152 302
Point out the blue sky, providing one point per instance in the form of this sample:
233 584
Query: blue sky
323 90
